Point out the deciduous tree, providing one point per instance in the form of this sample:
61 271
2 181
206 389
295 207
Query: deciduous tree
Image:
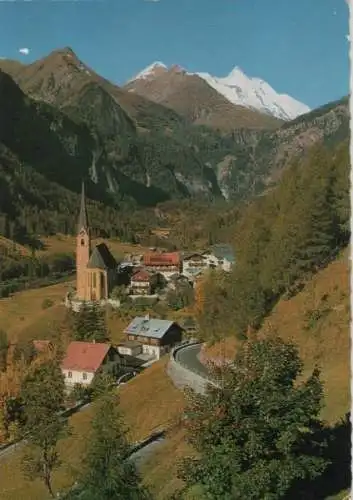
43 397
255 433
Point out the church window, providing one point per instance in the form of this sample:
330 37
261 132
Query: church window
69 375
82 242
84 376
94 280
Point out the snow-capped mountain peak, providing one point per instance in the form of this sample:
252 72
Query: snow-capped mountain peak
239 89
255 93
151 71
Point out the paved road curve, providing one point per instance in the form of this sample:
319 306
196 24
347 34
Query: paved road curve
188 357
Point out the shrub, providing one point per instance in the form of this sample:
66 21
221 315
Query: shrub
47 303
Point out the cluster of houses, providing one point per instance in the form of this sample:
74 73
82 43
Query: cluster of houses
147 339
98 273
155 269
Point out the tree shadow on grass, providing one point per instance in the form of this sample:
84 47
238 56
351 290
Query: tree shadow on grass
337 476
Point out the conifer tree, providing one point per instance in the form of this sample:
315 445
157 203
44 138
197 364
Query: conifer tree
90 324
109 474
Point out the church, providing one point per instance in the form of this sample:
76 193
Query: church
96 271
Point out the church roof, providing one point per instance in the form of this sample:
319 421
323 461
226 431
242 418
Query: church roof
101 258
83 218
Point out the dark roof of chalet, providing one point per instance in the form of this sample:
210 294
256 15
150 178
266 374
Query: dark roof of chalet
149 327
101 258
189 255
188 322
223 251
177 277
83 217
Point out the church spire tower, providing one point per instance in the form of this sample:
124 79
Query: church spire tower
83 249
83 218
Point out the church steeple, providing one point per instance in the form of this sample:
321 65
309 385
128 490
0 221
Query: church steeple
83 249
83 218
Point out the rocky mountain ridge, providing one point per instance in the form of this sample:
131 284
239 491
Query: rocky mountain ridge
134 149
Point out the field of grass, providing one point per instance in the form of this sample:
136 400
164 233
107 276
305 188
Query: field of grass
67 244
22 315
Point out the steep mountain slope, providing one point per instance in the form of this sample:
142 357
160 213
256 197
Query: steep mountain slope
192 97
157 82
264 156
317 320
136 149
122 157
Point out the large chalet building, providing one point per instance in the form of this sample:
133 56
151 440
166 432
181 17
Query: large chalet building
166 263
156 336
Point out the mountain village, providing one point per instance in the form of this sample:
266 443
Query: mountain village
148 275
174 251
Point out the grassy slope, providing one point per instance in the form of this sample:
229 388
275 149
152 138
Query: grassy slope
22 315
66 244
151 400
327 342
147 402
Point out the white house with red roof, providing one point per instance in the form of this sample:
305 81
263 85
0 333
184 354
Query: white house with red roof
140 282
83 360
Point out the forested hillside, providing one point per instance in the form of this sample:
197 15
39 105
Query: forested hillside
281 239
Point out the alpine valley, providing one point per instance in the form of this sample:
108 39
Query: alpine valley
166 135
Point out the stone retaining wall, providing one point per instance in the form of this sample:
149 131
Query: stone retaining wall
183 377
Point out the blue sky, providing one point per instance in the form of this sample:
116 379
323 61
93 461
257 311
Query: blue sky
298 46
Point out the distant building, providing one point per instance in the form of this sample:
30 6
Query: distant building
194 264
129 348
83 360
190 326
222 255
141 283
96 271
166 263
156 336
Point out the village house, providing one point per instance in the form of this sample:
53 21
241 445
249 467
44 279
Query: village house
96 271
142 282
132 260
220 256
156 336
194 264
189 326
83 360
129 348
167 263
